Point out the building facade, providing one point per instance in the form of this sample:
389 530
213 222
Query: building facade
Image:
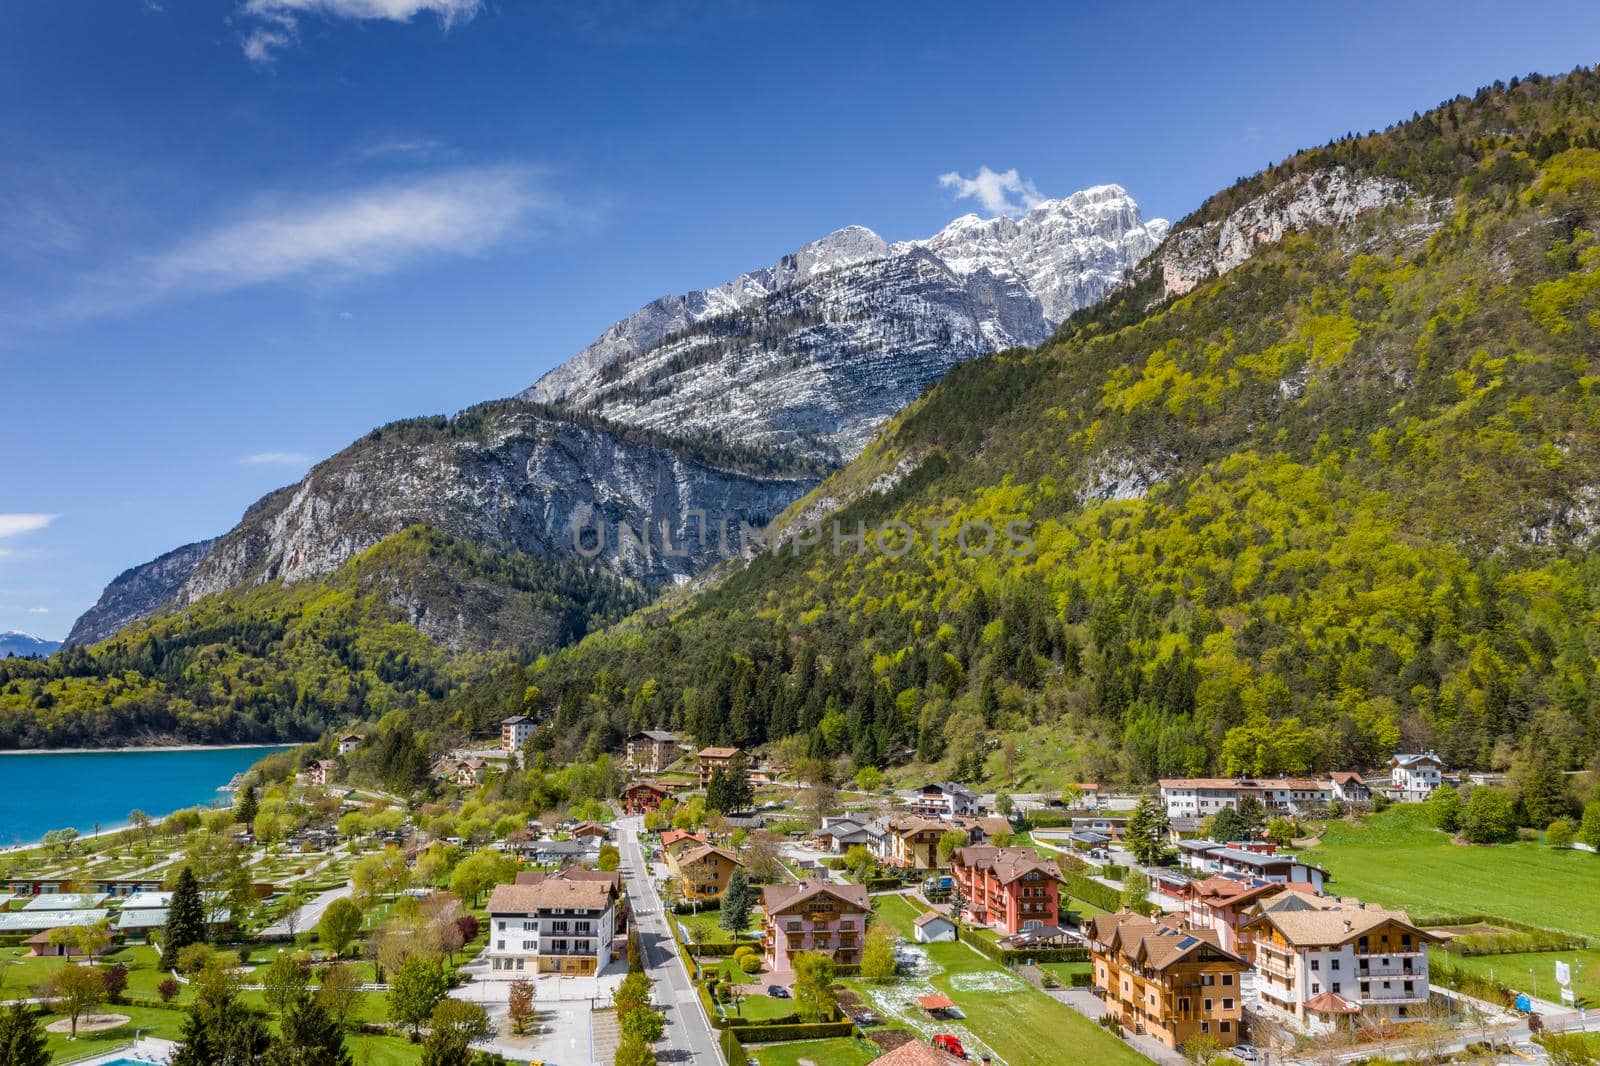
555 925
703 871
1199 797
714 759
914 842
651 751
641 797
815 916
1172 984
945 799
515 732
1323 963
1009 889
1413 778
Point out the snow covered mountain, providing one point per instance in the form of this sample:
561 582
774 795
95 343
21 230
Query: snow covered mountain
813 353
14 643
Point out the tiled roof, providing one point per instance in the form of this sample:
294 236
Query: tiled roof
1007 864
549 893
775 898
689 858
718 753
915 1053
1316 922
1150 943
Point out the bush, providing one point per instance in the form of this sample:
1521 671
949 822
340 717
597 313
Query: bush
1560 834
195 957
750 963
168 989
768 1033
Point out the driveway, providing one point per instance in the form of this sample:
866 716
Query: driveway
310 913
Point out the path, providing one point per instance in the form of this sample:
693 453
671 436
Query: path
688 1038
310 913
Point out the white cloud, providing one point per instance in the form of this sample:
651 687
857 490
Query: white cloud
995 190
280 18
12 525
277 459
364 232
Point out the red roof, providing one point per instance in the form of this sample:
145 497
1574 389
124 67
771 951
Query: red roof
1332 1003
937 1001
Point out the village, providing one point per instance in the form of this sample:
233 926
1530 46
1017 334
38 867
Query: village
778 916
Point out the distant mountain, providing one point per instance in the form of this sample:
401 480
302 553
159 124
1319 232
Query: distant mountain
136 593
813 354
14 643
729 401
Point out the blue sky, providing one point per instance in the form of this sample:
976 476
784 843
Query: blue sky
236 234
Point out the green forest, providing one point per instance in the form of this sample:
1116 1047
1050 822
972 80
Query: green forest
288 661
1372 471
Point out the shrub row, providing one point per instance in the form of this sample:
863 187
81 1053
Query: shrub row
769 1033
1091 891
1013 956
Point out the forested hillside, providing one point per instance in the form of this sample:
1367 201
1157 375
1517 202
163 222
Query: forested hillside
402 625
1335 500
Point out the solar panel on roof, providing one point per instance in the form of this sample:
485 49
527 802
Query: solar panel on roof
1188 942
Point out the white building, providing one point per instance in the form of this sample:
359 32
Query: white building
946 800
554 925
1200 797
1321 963
515 732
1412 778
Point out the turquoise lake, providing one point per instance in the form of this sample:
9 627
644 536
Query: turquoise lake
39 793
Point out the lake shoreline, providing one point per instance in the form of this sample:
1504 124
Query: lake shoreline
132 749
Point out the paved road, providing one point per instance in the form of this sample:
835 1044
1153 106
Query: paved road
310 913
689 1037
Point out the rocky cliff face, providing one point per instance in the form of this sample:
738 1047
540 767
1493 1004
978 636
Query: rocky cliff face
1325 198
813 354
137 592
508 474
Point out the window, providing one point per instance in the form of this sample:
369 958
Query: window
1208 978
1336 986
1208 1006
1226 1027
1227 1004
499 945
1205 1027
1183 1004
1316 964
1227 978
1335 964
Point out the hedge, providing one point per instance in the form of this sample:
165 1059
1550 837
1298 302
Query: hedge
1007 956
732 1050
883 884
1091 891
767 1033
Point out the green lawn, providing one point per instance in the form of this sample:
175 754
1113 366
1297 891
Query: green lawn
761 1008
143 1021
1513 970
843 1051
1019 1023
1397 859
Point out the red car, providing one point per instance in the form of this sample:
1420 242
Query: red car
947 1043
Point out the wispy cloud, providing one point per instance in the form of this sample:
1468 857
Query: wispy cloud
995 191
12 525
274 22
277 459
368 231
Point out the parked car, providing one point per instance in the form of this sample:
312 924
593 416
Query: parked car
1244 1052
948 1043
777 992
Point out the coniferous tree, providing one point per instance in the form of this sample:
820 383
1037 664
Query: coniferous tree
22 1041
736 902
247 806
186 920
308 1037
218 1030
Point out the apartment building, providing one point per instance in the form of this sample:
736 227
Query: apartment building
651 751
703 871
556 924
515 732
813 916
641 797
1325 963
945 799
1009 889
1198 797
914 842
714 759
1171 984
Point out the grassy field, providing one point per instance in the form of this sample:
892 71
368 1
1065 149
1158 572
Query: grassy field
1514 970
1397 859
143 1021
1018 1022
841 1052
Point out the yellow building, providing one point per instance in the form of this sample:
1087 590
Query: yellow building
914 842
703 872
1172 984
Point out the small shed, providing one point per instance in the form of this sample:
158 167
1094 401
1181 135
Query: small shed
937 1005
933 927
